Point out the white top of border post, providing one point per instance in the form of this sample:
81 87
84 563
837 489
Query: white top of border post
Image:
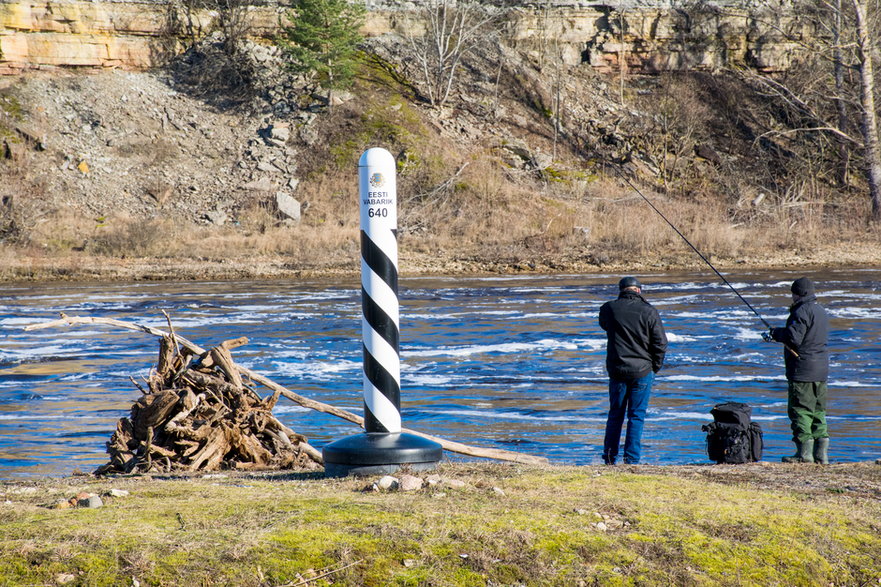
379 206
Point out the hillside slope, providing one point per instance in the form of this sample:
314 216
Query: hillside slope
197 170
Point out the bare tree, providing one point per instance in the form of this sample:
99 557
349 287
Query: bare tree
846 39
868 115
673 129
840 38
840 102
229 17
622 55
233 22
451 30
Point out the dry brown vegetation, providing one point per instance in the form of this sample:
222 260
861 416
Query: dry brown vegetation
476 192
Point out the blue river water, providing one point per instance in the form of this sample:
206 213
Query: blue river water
513 362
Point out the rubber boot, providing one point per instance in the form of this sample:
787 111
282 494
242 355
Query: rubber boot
804 452
821 451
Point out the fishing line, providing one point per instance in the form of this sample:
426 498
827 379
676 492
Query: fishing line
699 254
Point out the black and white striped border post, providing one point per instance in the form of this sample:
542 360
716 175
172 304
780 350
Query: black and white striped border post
383 448
380 326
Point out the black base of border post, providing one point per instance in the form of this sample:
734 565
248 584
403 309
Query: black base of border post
380 453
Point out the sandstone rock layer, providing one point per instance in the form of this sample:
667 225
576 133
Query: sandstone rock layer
137 35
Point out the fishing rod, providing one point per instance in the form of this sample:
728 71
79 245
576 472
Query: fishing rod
699 254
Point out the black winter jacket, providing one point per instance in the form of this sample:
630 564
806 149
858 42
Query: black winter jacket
806 332
637 342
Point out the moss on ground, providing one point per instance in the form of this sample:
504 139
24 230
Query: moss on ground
508 525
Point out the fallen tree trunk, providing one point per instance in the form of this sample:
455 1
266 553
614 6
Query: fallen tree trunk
475 451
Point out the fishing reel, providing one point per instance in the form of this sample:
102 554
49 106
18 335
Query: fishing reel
766 336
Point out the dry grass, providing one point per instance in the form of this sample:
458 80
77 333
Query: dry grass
22 193
463 201
481 207
485 213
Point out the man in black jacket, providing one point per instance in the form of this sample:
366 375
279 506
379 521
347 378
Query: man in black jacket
635 349
807 368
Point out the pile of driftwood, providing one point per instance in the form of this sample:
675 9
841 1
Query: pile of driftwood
205 388
197 414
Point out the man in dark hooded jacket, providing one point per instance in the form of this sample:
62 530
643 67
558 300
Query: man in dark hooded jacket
635 350
807 368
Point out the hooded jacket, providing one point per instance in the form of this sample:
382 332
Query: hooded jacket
637 342
806 332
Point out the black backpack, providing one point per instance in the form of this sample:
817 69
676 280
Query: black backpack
733 437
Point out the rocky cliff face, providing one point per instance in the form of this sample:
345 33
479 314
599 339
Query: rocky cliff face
644 37
95 34
651 40
130 35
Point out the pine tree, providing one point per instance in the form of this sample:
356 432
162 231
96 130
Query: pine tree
322 39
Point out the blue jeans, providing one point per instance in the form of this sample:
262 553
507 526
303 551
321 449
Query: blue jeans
628 397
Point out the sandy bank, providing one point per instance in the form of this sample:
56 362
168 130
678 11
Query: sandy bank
18 266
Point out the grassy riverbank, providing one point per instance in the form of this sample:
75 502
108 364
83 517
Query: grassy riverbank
482 524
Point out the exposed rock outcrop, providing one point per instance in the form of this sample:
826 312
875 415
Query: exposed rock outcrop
647 37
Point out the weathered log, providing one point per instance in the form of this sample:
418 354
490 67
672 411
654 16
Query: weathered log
223 359
147 444
207 360
155 449
167 352
229 394
152 410
489 453
154 384
247 447
212 452
234 343
311 452
124 435
281 439
174 426
457 447
193 447
190 400
269 402
185 446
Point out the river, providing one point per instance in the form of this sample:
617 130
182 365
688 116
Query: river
514 362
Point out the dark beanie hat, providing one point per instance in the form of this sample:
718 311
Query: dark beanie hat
802 286
628 282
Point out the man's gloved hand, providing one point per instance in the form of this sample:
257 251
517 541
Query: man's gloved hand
766 336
